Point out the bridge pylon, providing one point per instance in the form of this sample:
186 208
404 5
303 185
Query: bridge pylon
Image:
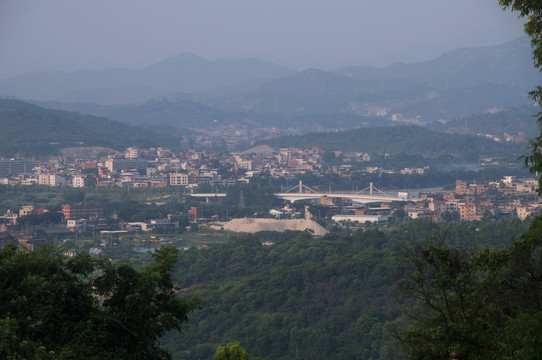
300 188
371 189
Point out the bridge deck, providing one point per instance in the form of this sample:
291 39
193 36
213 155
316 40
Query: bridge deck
294 196
363 198
207 194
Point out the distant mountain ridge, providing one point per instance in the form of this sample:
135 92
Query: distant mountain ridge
189 114
458 84
184 72
509 63
29 129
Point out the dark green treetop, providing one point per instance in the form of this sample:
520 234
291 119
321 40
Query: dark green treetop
55 307
483 305
232 351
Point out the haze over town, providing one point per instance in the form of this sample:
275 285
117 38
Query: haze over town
62 35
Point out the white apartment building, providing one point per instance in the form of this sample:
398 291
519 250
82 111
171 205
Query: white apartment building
78 181
178 179
51 180
131 153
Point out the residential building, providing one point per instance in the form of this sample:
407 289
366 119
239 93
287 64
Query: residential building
437 206
116 164
131 153
155 223
77 224
78 181
195 213
178 179
523 212
11 217
12 167
452 205
51 180
360 218
461 187
26 210
469 212
82 210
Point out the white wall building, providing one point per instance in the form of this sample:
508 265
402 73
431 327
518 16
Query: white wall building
360 218
178 179
131 153
78 181
51 180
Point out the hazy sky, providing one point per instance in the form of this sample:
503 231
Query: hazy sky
66 35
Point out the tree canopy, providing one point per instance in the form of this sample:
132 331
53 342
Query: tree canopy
304 298
57 307
483 305
532 10
232 351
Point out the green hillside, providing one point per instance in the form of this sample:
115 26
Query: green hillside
304 298
398 139
512 121
31 130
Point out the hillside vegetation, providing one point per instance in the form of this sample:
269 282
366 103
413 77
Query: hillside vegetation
31 130
398 139
304 298
512 121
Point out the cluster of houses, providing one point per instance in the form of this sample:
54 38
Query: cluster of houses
160 167
504 199
78 218
471 202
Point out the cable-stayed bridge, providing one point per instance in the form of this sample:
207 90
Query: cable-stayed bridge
302 192
368 195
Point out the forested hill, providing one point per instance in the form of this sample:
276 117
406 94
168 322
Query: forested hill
513 121
397 139
305 298
31 130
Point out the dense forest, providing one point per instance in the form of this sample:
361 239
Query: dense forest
302 298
